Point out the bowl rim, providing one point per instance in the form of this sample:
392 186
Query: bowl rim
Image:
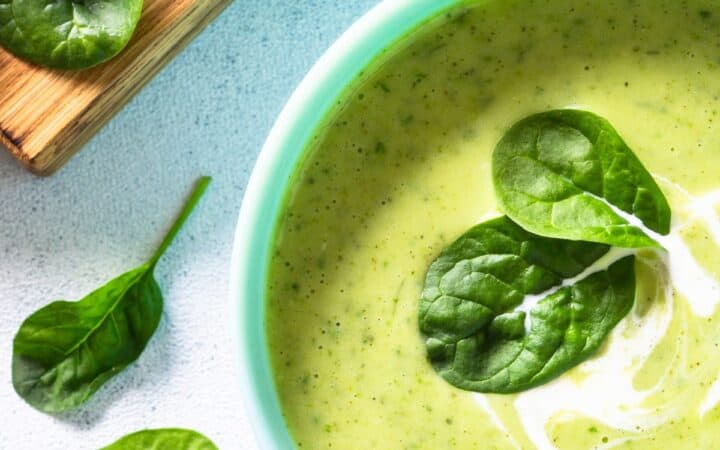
377 30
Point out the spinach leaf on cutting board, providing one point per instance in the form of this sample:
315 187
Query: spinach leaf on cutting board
67 34
557 173
64 352
476 337
163 439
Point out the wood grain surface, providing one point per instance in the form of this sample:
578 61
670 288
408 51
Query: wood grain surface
48 115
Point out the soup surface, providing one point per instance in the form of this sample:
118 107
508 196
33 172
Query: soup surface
402 168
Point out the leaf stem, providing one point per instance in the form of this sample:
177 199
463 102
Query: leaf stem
190 205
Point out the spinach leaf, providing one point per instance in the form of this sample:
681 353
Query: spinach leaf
557 173
67 34
65 351
476 336
163 439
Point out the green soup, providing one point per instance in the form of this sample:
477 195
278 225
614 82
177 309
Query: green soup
401 168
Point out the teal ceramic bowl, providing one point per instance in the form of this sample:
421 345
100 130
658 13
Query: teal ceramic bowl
377 31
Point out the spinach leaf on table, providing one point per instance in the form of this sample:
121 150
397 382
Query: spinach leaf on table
65 351
67 34
556 172
476 337
163 439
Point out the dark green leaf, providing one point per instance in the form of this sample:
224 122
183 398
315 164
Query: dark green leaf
67 34
475 333
163 439
65 351
556 173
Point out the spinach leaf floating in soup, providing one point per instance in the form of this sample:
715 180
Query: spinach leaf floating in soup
65 351
67 34
478 339
565 173
163 439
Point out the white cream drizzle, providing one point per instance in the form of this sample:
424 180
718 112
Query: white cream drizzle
690 279
483 401
711 399
531 300
606 392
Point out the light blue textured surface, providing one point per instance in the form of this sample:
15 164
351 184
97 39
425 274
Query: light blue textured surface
207 113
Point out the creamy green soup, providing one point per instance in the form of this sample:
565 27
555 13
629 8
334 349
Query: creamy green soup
402 168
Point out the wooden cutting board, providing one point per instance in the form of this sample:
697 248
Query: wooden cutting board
48 115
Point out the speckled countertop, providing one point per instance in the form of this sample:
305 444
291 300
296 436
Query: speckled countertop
60 237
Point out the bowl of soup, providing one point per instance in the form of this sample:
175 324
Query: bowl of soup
383 158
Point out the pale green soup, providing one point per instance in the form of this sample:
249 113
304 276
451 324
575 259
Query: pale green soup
402 167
